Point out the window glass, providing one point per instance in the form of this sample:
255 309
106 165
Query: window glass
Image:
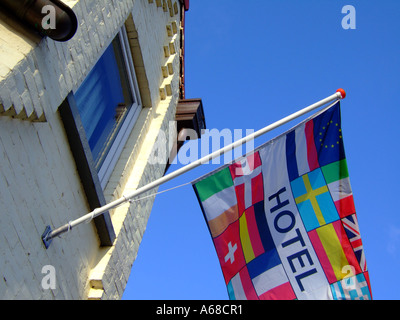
104 100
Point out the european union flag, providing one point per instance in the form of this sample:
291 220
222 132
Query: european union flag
328 137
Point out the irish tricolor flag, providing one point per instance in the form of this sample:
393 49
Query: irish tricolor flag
283 221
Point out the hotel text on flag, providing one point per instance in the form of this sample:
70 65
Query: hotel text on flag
283 219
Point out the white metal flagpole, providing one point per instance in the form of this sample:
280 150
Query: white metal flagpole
50 234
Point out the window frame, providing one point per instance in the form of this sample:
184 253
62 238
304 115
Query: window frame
85 166
114 152
95 181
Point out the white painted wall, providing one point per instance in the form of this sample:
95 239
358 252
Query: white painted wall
39 183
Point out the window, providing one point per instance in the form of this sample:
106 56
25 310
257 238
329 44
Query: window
109 104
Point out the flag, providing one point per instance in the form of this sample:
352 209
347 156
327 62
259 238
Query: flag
283 220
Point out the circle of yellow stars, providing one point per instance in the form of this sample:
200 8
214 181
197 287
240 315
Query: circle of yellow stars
325 128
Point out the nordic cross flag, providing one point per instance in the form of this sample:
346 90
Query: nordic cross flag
283 220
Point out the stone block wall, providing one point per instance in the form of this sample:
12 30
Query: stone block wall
39 182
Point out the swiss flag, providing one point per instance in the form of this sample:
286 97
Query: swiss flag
230 252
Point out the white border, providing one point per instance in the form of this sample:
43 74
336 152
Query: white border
116 149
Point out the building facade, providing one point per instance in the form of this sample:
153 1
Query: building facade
80 114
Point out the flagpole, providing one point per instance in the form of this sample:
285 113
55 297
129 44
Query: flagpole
50 234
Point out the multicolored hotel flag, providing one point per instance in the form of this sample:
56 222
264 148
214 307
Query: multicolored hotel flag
283 220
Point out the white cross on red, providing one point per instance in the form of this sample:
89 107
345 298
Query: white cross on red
231 253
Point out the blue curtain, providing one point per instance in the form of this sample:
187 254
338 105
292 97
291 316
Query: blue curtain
97 100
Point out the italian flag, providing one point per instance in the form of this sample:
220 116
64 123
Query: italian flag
338 181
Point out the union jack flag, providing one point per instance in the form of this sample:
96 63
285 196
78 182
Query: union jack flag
350 224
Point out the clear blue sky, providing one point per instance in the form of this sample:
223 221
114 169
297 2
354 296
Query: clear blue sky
252 63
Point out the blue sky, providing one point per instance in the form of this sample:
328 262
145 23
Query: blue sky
252 63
